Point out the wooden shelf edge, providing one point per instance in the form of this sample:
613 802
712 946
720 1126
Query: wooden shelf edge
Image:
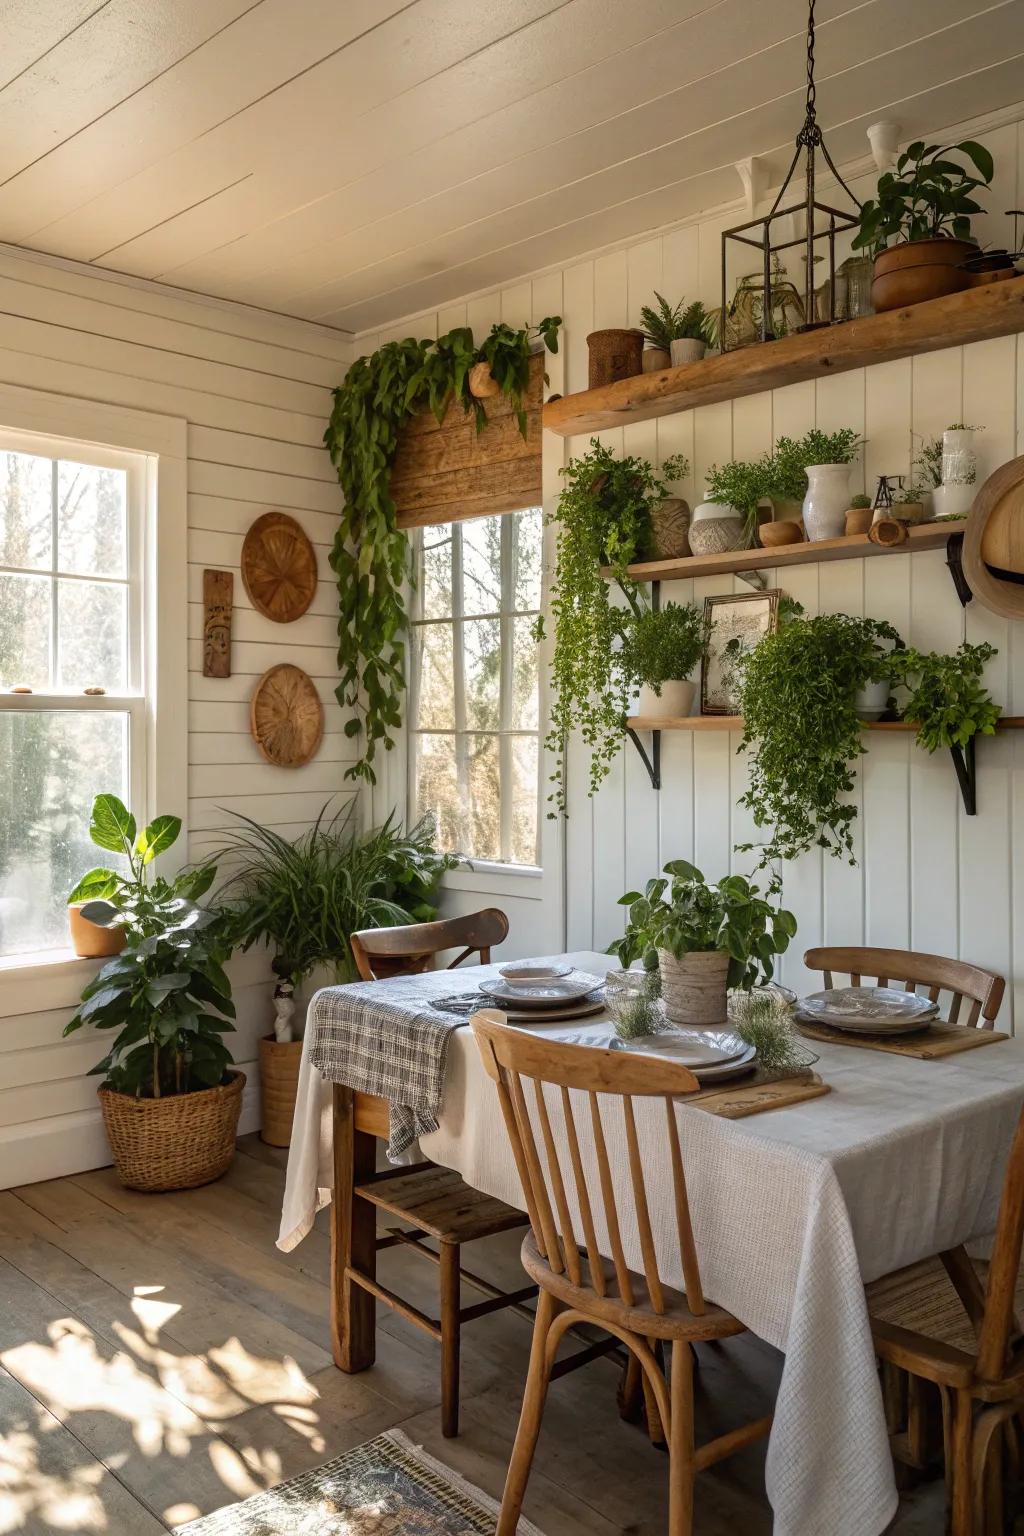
735 723
977 314
854 546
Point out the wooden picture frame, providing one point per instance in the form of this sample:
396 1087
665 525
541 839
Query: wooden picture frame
730 620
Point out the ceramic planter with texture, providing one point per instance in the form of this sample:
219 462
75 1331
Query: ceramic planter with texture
919 270
670 525
179 1141
675 702
694 988
687 349
715 529
827 501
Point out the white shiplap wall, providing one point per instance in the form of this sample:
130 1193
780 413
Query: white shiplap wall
254 390
928 877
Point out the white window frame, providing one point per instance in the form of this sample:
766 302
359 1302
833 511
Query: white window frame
506 616
153 449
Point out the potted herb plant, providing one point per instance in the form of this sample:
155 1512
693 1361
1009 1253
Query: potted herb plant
659 651
304 899
170 1100
918 225
682 330
947 699
603 519
703 939
802 727
728 518
816 468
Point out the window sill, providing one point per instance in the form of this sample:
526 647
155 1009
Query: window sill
44 962
523 880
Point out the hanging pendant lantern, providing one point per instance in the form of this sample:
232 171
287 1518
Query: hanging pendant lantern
758 232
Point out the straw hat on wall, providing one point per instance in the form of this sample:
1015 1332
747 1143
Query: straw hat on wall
993 553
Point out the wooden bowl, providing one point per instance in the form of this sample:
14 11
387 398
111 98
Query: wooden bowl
775 535
859 519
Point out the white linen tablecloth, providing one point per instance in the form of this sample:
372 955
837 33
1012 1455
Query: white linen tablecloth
793 1210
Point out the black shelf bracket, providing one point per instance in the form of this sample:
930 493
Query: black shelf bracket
954 560
965 763
652 763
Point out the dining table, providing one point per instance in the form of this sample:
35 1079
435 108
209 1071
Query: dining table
793 1212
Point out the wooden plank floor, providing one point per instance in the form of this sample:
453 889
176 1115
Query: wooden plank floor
160 1358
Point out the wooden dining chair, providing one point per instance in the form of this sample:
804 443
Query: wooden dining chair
943 1322
570 1193
436 1202
404 951
909 970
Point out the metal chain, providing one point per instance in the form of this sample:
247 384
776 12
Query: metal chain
810 60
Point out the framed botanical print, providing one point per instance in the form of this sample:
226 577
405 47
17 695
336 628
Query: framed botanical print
733 625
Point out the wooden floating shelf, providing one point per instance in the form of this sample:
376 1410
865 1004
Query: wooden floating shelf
977 314
735 723
855 546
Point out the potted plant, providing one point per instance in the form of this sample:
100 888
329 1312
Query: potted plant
800 689
859 514
603 518
170 1100
908 505
659 651
728 519
816 468
703 939
918 226
501 364
305 898
682 331
947 700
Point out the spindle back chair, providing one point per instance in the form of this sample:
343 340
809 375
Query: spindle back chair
908 970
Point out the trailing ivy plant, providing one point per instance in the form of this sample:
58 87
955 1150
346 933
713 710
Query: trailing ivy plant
370 555
802 729
603 519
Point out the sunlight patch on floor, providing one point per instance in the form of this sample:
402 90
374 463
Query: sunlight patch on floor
68 1502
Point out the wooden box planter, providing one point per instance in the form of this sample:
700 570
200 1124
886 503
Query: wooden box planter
178 1142
279 1081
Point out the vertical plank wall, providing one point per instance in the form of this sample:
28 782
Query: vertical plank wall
255 392
927 876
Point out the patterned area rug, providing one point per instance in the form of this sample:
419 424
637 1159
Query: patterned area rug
387 1487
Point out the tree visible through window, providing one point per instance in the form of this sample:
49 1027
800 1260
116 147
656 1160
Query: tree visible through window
68 622
475 744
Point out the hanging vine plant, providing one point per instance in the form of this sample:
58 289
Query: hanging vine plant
370 555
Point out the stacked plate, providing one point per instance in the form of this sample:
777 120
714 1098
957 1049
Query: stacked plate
710 1054
535 992
868 1010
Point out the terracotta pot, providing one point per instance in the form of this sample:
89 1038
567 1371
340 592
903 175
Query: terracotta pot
614 354
921 270
279 1080
674 703
670 524
786 511
89 940
775 535
482 383
859 519
694 989
655 359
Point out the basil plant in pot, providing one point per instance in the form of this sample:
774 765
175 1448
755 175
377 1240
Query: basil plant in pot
170 1099
703 938
660 649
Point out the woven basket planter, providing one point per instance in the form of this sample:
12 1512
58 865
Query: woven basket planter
279 1081
694 988
177 1142
614 354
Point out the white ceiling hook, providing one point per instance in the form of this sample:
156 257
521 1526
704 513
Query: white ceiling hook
884 139
753 172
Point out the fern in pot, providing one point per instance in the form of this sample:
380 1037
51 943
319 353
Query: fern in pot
703 939
660 649
170 1099
675 333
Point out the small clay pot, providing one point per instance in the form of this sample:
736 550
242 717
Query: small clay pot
614 354
655 359
776 535
482 383
918 271
859 519
89 940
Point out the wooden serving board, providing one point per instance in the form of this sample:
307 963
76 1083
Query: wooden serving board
941 1039
756 1094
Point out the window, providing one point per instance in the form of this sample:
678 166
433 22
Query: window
475 744
71 643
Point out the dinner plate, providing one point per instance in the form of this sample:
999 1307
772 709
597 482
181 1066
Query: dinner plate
868 1010
690 1050
582 1008
565 990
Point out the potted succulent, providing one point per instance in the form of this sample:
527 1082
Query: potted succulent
859 514
305 898
659 651
703 938
820 463
603 518
728 519
683 331
918 226
170 1100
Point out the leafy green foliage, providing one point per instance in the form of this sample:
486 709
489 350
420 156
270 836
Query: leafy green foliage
798 688
675 322
742 485
685 915
860 502
659 647
306 898
927 197
370 555
167 992
603 518
787 466
947 700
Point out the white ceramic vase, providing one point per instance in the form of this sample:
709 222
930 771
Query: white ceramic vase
675 703
827 500
687 350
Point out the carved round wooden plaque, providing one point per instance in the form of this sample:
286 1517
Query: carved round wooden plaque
279 567
286 716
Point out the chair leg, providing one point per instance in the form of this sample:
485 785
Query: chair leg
961 1435
451 1302
529 1419
680 1442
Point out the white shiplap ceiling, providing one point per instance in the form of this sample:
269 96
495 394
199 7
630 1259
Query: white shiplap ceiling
352 161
